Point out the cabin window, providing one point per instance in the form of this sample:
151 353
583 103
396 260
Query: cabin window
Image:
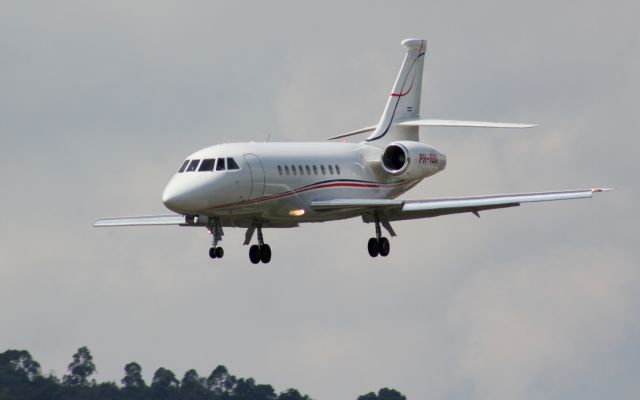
324 172
193 165
207 164
184 166
293 169
279 170
286 169
315 170
337 169
220 165
231 164
331 169
308 169
300 169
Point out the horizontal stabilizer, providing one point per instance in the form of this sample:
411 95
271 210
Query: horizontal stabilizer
462 124
167 219
451 123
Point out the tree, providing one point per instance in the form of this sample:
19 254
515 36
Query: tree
133 376
20 363
390 394
383 394
80 369
263 392
192 386
220 381
293 394
164 384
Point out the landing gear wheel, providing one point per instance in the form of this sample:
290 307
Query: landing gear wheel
213 252
372 246
265 253
219 252
384 247
254 254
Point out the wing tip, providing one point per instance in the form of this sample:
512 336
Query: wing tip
601 190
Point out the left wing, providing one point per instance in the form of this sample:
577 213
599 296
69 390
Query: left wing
166 219
395 210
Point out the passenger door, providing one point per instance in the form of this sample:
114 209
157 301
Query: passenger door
257 176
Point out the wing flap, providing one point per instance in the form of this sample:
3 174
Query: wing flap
346 204
145 220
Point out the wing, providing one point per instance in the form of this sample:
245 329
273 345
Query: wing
167 219
395 210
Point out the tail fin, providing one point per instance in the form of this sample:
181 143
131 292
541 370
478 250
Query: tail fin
404 100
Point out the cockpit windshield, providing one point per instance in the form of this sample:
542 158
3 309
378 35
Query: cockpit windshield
193 165
209 164
184 166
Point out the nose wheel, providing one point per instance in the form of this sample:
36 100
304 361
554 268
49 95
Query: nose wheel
216 232
260 252
216 252
380 245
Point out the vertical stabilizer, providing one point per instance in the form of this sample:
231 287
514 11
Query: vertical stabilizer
404 100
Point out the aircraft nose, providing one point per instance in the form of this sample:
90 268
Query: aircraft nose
174 198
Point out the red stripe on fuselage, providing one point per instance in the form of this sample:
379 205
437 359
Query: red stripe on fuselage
293 192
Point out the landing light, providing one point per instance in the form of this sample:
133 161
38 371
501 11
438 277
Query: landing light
296 213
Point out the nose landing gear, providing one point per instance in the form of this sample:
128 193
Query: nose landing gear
216 232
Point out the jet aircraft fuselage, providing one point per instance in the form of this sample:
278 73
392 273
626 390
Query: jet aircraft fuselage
276 182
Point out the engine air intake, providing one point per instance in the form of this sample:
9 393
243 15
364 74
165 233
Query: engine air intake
395 159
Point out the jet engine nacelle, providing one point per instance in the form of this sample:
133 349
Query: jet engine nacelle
413 160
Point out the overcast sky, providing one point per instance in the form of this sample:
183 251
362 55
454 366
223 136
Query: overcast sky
101 101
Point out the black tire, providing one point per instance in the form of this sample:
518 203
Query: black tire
212 252
254 254
384 247
219 252
265 253
372 246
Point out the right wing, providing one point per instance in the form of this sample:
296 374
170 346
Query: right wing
166 219
395 210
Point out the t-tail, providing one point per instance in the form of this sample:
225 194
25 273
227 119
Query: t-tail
401 116
404 100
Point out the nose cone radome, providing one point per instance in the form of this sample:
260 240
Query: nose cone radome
174 198
188 194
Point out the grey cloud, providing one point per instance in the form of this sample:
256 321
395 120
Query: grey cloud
101 102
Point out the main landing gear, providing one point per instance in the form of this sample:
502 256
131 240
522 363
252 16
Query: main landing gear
216 232
258 252
380 245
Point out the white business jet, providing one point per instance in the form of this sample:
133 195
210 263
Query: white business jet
281 185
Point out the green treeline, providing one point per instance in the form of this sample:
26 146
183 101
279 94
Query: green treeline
21 378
